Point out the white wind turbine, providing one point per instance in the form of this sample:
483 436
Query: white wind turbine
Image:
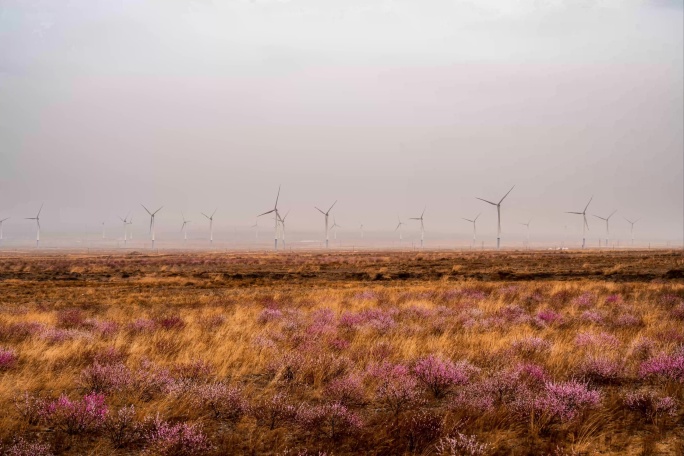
399 225
211 225
152 214
422 226
334 227
606 219
282 227
184 228
498 215
326 214
130 223
362 231
6 218
256 226
275 209
125 223
37 219
528 232
631 228
585 225
103 230
473 221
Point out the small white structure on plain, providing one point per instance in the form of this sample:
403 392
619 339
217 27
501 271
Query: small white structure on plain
211 225
606 219
399 225
152 214
334 227
37 219
184 228
282 227
422 226
275 209
125 223
585 226
6 218
631 228
473 221
326 214
528 232
498 215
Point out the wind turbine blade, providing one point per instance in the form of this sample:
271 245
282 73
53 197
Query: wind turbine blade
205 215
598 216
277 196
320 211
636 220
493 204
585 222
423 213
266 213
286 214
146 209
212 214
123 220
158 210
397 226
333 205
471 221
504 197
587 206
41 208
414 218
478 216
578 213
611 214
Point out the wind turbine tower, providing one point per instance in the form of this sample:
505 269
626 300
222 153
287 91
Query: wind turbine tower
125 223
585 226
275 209
527 242
631 228
326 214
184 228
152 214
103 230
37 219
399 225
473 221
211 225
422 227
6 218
362 231
498 216
334 227
282 227
606 219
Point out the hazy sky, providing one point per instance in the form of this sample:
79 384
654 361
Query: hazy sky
385 105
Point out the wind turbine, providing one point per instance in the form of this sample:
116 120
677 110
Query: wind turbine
103 230
125 222
6 218
498 215
585 226
334 227
152 214
631 229
130 222
474 228
275 209
282 227
256 225
211 225
37 219
184 228
606 219
326 213
399 225
422 226
362 231
528 231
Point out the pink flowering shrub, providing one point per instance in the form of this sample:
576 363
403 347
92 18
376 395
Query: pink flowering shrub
439 375
121 428
104 328
397 389
613 299
21 447
585 300
330 420
420 429
601 341
592 316
274 411
651 405
76 416
142 325
170 322
105 378
462 445
600 370
223 401
548 317
267 315
179 439
30 407
193 371
70 318
530 346
666 367
8 359
347 390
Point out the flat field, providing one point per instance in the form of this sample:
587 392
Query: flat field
431 353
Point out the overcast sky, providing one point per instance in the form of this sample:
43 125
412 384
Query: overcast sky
384 105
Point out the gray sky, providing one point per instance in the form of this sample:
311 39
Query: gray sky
385 105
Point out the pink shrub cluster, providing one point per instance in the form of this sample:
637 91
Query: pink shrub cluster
650 404
439 375
268 314
600 341
531 346
548 317
462 445
666 367
179 439
347 390
142 325
600 369
397 388
170 322
330 420
106 378
21 447
79 416
557 402
8 359
585 300
225 402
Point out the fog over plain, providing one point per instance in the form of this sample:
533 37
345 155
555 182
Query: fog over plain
384 105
